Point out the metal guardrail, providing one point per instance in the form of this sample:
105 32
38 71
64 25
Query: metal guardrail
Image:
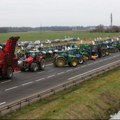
72 82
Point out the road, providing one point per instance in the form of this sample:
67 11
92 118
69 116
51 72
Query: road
25 84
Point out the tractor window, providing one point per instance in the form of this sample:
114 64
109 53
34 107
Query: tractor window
32 54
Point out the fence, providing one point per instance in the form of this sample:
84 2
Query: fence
73 81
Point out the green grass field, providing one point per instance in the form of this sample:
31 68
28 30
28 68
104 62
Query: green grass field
31 36
96 98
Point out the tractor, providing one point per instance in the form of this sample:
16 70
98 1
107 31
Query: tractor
90 51
33 61
79 55
8 60
64 58
104 48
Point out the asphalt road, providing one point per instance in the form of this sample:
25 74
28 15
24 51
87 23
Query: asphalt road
25 84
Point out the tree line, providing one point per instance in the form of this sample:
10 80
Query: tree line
99 28
27 29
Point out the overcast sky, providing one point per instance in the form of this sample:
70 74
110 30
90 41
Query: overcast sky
35 13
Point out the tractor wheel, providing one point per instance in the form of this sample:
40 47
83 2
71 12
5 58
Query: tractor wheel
9 73
74 63
34 67
81 61
42 64
22 69
60 62
103 54
106 53
116 50
85 58
112 50
93 57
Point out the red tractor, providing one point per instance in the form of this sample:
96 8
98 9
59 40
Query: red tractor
8 60
33 61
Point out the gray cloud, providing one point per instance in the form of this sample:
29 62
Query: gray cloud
58 12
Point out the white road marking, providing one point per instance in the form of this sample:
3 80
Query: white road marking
40 72
91 63
60 73
49 64
50 76
69 70
6 81
84 66
77 68
27 83
2 103
95 62
40 79
11 88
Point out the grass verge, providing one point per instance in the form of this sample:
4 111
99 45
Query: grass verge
32 36
96 98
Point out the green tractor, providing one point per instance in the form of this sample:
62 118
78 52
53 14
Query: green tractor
105 50
80 55
90 51
64 58
85 50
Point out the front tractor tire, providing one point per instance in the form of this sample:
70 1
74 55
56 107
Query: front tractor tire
42 64
34 67
9 73
22 69
81 61
73 63
60 62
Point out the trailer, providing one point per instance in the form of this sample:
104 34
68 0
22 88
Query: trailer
8 60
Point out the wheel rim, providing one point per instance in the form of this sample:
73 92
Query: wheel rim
36 68
60 63
10 73
74 63
80 61
107 53
43 65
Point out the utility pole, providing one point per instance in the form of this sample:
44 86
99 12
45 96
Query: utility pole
111 20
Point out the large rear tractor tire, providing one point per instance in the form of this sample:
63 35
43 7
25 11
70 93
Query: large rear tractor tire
42 64
34 67
60 62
